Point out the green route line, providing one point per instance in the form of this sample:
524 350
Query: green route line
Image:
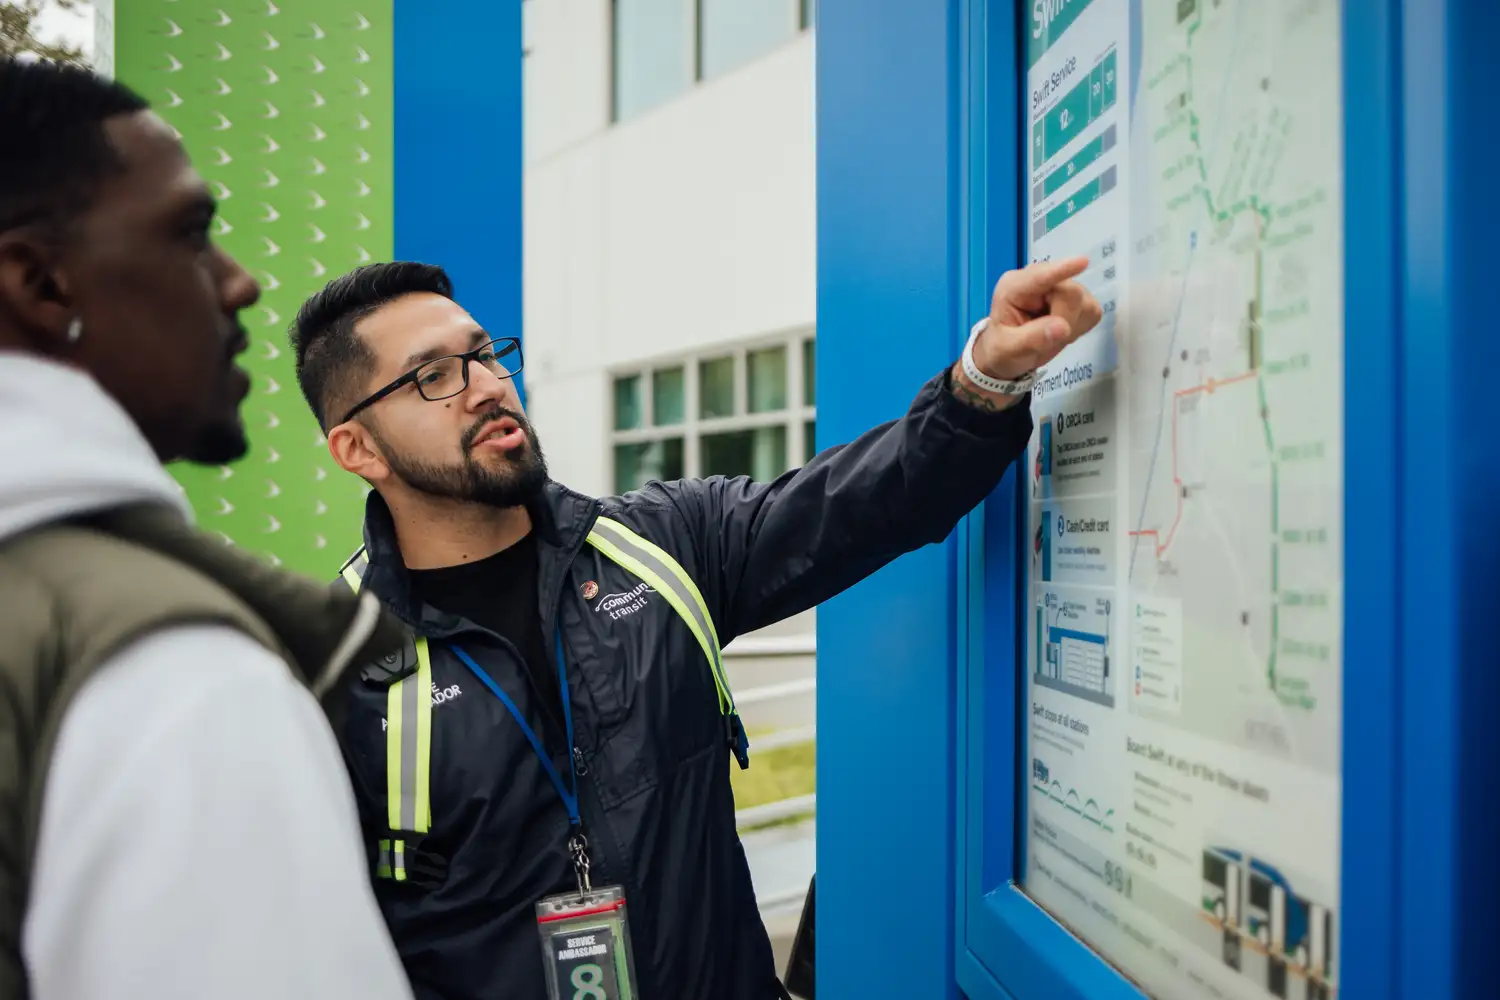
1257 155
1263 210
1265 419
1253 203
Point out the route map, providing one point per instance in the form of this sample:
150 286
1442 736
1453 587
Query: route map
1186 491
1236 346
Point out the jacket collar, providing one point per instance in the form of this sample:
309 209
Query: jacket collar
560 519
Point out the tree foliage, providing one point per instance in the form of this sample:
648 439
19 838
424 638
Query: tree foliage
18 37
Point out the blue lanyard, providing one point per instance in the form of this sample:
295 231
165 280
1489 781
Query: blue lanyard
569 795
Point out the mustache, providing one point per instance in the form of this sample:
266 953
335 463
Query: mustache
490 417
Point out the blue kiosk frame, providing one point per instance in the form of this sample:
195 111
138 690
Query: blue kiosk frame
919 196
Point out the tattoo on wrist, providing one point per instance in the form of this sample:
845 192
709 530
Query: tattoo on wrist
970 396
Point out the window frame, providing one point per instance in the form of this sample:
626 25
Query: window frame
801 14
693 427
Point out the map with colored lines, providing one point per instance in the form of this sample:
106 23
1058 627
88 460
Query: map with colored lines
1184 604
1234 363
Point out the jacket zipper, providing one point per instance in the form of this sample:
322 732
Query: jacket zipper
595 825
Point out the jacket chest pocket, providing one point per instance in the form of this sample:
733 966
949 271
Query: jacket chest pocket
653 700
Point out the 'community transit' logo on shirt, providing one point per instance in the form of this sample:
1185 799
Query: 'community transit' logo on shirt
450 693
617 606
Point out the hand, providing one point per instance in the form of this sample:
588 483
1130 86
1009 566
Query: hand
1035 313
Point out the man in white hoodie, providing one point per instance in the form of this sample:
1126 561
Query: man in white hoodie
194 831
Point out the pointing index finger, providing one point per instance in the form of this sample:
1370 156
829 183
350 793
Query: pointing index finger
1054 272
1039 279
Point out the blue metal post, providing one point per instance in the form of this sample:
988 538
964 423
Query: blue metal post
888 319
458 149
1450 479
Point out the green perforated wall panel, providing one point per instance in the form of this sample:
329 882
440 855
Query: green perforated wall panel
286 109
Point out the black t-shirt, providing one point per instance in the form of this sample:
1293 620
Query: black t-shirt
500 593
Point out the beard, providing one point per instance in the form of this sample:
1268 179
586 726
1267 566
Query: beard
518 480
219 444
222 438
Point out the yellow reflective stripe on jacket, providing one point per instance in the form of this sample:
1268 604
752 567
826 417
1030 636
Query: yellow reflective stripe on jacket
392 860
354 570
666 577
408 742
408 747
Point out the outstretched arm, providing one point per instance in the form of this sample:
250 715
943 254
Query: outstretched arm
769 550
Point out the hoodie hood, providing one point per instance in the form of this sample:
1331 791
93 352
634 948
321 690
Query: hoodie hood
67 448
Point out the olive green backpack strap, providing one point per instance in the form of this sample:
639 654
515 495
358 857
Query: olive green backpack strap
70 598
73 594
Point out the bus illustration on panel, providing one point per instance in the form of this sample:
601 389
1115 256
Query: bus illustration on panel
1262 913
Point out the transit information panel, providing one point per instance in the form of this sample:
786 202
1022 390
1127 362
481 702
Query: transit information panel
1185 543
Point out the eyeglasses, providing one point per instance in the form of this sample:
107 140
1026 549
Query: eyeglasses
448 376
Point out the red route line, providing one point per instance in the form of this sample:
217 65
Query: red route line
1209 386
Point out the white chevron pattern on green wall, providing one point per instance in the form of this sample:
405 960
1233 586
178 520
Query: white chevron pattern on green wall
286 109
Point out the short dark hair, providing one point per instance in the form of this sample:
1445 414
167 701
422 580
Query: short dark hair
330 356
52 130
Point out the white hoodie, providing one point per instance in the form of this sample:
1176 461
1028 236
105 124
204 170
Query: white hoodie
198 834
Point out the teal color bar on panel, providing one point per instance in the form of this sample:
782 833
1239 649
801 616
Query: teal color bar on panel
1081 199
1066 119
1076 110
1085 196
1075 165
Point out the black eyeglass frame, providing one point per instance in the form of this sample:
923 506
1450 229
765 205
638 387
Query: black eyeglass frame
466 358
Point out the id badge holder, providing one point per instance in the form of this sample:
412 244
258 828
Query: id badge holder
586 938
586 945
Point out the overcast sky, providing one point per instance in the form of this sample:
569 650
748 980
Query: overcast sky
58 25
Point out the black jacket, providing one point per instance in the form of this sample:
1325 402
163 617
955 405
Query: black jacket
655 798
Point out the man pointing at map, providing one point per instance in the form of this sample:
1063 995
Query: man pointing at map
564 725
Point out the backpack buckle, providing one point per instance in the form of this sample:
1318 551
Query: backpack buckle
398 859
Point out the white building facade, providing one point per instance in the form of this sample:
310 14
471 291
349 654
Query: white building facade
670 237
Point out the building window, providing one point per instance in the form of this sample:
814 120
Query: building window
639 463
668 397
733 32
747 412
662 47
809 395
759 453
628 406
716 388
654 59
765 380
